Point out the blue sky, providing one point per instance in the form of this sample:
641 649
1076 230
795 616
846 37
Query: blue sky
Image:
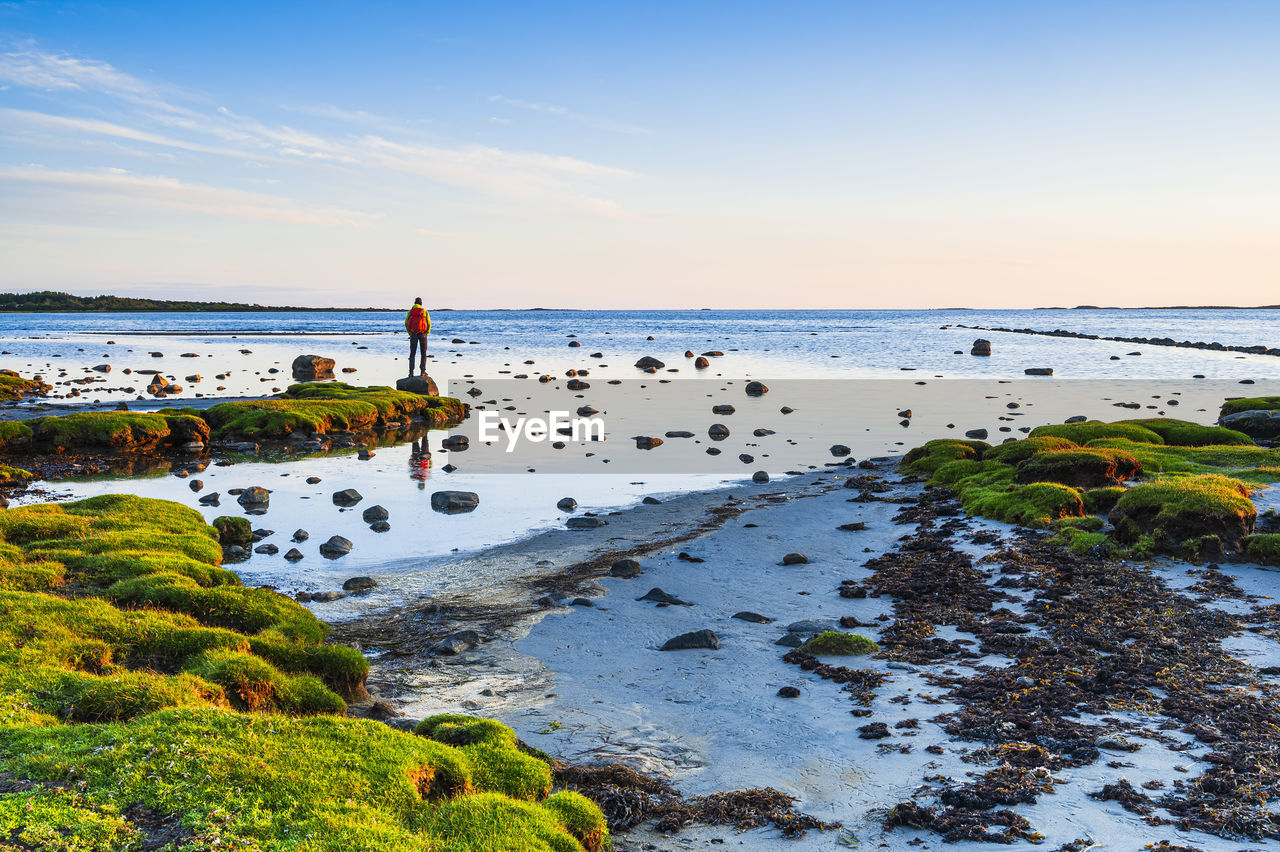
913 154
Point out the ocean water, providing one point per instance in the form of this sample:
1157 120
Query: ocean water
846 372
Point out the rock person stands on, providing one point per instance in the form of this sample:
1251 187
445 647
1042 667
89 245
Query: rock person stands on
418 323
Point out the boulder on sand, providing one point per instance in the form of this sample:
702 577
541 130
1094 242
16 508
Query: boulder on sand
309 368
693 640
1260 425
421 385
650 362
454 502
981 347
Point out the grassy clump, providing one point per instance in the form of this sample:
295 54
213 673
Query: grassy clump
988 489
322 407
1093 430
1187 508
111 714
233 530
833 643
14 387
1102 500
13 475
14 434
1256 403
1184 433
280 782
928 458
1014 452
1264 548
120 430
1082 467
1214 458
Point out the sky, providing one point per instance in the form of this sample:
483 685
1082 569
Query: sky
654 155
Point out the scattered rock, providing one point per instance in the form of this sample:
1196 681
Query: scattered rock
760 476
788 692
310 368
347 497
454 502
375 513
336 546
656 595
753 617
693 640
981 346
456 643
756 389
293 555
567 504
795 559
627 569
254 496
359 584
585 523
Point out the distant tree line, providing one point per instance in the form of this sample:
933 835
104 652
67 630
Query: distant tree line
49 301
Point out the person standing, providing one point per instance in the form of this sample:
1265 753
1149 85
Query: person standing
418 323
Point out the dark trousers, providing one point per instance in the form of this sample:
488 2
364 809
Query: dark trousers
416 341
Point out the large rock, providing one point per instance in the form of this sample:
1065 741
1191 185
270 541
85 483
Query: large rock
421 385
309 368
1258 425
649 362
254 496
693 640
454 502
981 347
336 546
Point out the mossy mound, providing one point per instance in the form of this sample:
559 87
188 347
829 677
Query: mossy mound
1093 430
1264 548
164 692
1255 403
322 407
833 643
14 475
14 387
1181 513
1184 433
1081 467
1199 506
928 458
118 430
14 434
249 781
1014 452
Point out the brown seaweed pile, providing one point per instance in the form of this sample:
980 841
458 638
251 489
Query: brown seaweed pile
629 798
1098 637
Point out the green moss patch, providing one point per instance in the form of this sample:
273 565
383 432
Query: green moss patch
141 683
1189 508
14 387
120 430
1256 403
1264 548
1092 430
928 458
322 407
833 643
1081 467
1014 452
1183 433
249 781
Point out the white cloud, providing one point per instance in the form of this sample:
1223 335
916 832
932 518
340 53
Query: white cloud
150 119
565 112
155 191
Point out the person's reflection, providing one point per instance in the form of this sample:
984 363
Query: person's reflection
420 461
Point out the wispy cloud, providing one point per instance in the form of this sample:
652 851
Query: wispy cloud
565 112
153 118
153 191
